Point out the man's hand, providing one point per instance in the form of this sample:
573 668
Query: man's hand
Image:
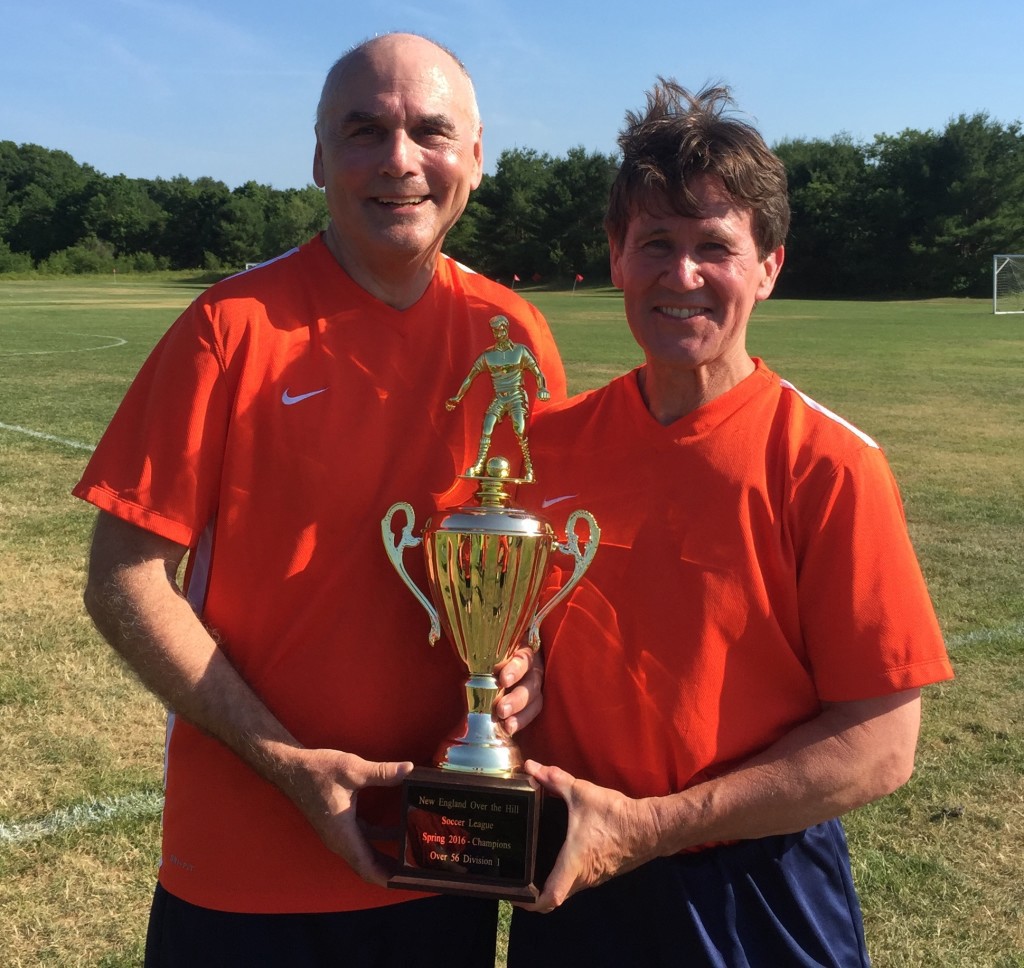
848 755
521 677
451 403
544 394
608 834
324 784
136 604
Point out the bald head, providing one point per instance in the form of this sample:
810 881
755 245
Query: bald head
387 49
398 150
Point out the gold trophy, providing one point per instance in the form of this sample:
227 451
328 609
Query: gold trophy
469 823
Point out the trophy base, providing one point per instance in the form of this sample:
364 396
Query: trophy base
469 834
481 747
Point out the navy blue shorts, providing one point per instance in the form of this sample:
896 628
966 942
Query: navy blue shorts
778 902
436 932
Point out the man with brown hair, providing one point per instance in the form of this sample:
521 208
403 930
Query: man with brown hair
742 662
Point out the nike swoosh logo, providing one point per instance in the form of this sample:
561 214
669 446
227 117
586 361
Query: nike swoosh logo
288 400
548 501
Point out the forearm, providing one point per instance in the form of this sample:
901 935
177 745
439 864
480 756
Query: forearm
140 611
850 755
137 606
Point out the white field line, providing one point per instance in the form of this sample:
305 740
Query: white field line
133 805
82 815
39 435
986 635
115 342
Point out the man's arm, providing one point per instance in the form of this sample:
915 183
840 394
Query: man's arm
137 606
847 756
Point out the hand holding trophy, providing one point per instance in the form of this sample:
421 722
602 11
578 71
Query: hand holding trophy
469 823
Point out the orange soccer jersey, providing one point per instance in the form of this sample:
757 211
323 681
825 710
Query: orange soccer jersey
269 432
753 562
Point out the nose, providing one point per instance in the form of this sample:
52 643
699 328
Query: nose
397 159
686 273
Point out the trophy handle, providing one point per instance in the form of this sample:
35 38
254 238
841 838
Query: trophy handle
396 550
582 560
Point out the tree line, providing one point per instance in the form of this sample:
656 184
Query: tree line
59 216
915 214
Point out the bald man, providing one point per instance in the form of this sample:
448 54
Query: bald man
264 439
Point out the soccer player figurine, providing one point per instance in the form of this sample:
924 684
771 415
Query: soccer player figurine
505 361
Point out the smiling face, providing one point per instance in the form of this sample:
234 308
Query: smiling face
398 152
689 286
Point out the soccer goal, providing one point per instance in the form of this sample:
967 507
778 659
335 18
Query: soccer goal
1008 283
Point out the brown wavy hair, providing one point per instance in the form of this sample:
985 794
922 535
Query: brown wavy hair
681 135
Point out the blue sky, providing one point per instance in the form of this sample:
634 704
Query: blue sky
227 88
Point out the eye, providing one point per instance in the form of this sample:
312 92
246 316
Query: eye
360 125
656 246
714 247
362 132
433 128
432 135
431 139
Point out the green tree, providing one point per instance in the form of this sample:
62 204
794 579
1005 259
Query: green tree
830 240
47 192
509 216
984 211
948 201
293 216
574 202
90 255
463 240
243 225
191 235
14 261
122 213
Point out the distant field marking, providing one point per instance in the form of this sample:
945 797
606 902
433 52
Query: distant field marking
117 341
39 435
81 815
986 635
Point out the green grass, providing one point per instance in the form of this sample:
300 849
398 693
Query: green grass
939 384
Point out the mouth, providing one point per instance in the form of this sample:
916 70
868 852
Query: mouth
400 201
679 312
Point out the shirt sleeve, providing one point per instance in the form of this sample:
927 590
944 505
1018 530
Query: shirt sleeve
158 463
866 616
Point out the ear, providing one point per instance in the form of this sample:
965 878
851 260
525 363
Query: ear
318 165
614 260
772 266
478 159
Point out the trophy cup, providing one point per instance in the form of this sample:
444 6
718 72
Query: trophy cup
469 823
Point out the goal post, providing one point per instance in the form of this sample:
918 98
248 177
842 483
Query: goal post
1008 284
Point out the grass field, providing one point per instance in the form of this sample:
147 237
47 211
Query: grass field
939 384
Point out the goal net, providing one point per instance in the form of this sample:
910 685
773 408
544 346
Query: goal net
1008 283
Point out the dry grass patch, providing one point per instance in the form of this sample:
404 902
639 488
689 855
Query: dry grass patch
79 899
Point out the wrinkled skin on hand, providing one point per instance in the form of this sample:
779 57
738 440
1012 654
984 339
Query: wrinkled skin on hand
608 834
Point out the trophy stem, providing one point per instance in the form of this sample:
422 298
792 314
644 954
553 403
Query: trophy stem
481 692
483 746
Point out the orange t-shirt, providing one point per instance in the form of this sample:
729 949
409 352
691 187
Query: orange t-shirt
754 562
270 431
